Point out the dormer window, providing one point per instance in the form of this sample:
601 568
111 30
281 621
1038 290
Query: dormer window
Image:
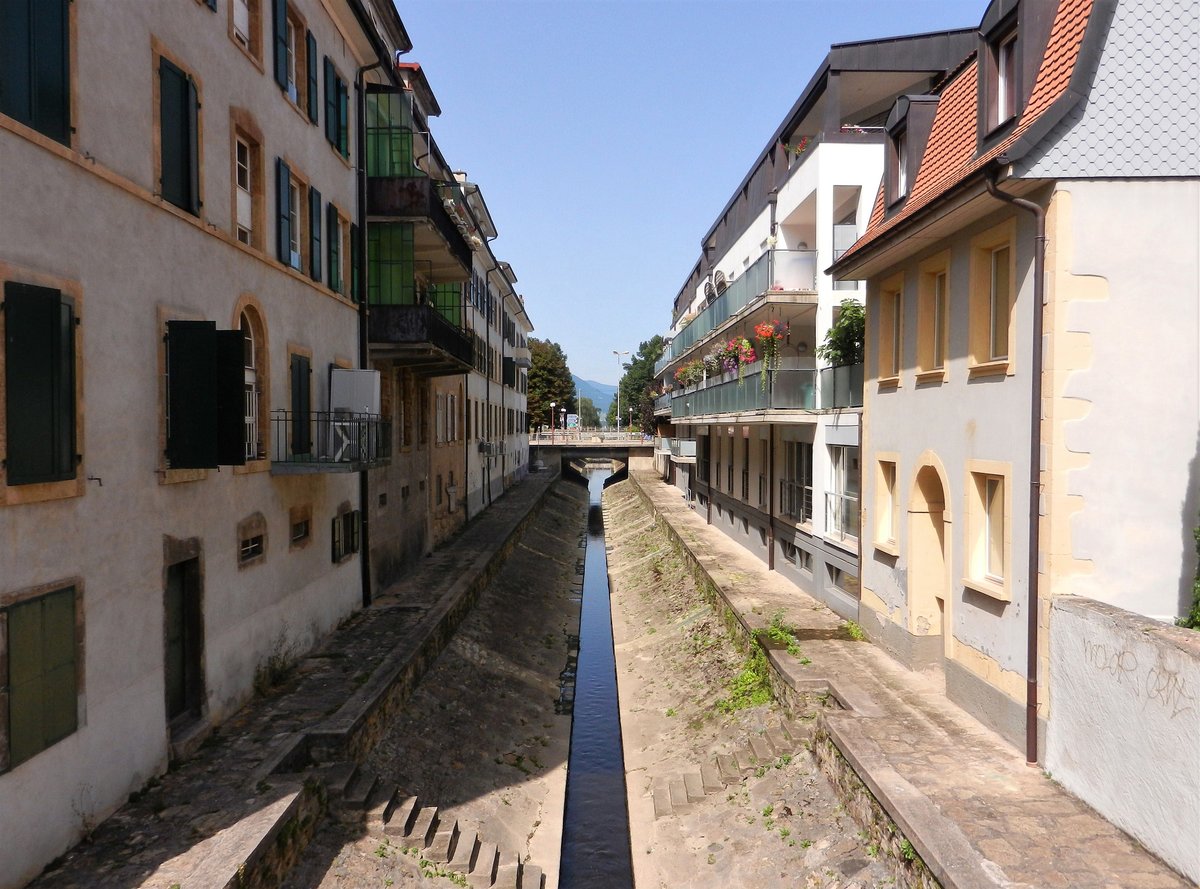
1005 56
901 164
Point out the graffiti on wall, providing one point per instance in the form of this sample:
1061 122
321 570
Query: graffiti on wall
1156 684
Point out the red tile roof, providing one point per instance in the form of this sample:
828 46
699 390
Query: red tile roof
950 157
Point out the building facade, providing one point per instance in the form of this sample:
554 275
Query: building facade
767 444
1028 505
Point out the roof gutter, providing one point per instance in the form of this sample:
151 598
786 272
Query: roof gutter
1035 442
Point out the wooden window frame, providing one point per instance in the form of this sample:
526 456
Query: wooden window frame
243 128
252 48
890 351
887 504
979 528
297 515
981 314
933 321
252 541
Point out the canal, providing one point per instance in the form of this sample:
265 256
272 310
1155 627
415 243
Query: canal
595 846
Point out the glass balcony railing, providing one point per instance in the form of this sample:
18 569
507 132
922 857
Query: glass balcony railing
841 386
683 447
662 404
780 271
791 389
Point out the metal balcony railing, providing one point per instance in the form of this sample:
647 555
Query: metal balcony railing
662 404
328 441
841 516
842 386
790 389
782 271
795 500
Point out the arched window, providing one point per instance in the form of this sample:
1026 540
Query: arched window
252 359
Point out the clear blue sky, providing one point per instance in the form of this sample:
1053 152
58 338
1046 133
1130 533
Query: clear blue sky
606 135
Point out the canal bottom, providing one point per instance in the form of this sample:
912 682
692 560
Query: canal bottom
595 847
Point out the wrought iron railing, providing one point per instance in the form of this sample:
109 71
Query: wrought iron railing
329 440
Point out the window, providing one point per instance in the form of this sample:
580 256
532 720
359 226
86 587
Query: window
887 518
245 25
35 79
299 526
251 548
337 110
891 342
1005 55
991 299
795 489
42 638
988 510
206 396
901 164
244 224
841 501
345 530
253 357
314 234
843 581
298 221
39 385
933 327
337 234
179 137
295 58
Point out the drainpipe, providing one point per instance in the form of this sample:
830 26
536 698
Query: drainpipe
1035 447
772 201
364 361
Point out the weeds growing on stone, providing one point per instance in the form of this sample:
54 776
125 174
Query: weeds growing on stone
854 631
750 688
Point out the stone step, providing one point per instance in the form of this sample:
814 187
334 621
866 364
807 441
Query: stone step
483 873
747 762
693 786
710 777
381 803
679 798
359 789
400 821
508 873
662 800
424 827
799 732
462 858
442 847
337 778
762 750
531 877
782 744
727 768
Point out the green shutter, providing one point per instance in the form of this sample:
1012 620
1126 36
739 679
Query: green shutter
35 82
314 99
343 118
39 369
301 405
191 394
191 146
334 240
279 21
283 181
331 103
175 182
43 707
355 262
314 234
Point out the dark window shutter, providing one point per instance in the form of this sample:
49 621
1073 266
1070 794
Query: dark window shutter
331 100
314 98
39 370
192 147
35 83
212 4
314 233
334 239
230 381
283 181
355 249
301 406
43 700
279 20
343 118
173 96
191 395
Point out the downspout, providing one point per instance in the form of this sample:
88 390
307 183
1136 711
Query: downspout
1035 446
772 200
360 159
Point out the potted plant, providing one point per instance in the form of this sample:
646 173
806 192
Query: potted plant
769 337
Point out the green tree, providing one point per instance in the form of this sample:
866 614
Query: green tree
549 380
589 417
1191 620
844 340
635 386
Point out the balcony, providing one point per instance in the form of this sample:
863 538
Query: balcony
421 338
419 200
662 405
841 386
523 357
778 275
683 450
796 501
328 441
791 389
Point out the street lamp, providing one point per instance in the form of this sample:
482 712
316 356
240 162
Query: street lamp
562 417
618 413
629 428
552 405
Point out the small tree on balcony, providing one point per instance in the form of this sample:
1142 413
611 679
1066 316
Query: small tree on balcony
844 340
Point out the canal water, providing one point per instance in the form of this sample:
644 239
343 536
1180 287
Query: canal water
595 849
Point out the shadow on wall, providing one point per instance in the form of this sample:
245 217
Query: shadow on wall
1188 522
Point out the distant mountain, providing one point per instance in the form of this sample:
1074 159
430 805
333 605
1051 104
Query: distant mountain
601 394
